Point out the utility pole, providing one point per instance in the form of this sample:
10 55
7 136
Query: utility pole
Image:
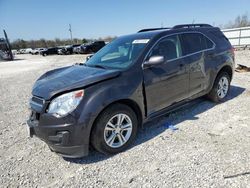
8 45
70 31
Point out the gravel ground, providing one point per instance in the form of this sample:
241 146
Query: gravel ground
211 147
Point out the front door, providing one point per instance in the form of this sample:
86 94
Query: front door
166 83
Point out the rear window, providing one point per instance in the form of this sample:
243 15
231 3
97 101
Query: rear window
195 42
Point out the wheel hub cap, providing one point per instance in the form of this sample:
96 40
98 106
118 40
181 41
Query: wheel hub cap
118 130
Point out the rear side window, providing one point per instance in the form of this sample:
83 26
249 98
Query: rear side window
220 39
195 42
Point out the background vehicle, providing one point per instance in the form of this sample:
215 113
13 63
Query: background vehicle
25 51
5 50
60 51
68 49
28 50
130 81
14 52
49 51
37 51
21 51
76 49
92 47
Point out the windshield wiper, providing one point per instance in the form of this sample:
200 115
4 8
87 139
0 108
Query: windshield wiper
98 66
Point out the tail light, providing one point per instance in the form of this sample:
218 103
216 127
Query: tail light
232 50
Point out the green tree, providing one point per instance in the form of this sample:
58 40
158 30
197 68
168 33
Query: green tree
85 40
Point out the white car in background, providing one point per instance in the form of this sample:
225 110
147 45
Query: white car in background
37 51
28 50
14 52
25 51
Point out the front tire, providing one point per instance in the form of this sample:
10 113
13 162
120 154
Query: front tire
220 88
115 129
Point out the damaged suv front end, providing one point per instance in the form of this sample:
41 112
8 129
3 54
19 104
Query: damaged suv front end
59 115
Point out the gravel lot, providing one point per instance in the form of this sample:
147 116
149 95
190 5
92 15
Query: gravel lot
211 147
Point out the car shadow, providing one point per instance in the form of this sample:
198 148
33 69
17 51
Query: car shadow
14 60
155 127
17 59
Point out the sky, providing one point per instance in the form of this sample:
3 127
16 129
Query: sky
50 19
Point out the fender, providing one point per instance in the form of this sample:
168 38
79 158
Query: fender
226 61
99 96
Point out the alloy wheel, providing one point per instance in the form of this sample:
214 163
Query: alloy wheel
118 130
223 86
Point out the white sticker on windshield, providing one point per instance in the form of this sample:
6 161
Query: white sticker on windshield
141 41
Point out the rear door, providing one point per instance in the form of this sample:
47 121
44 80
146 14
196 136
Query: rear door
168 82
198 52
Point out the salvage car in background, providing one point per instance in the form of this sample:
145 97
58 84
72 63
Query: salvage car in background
37 51
92 47
77 49
68 49
25 51
49 51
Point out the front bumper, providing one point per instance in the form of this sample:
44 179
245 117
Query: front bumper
63 136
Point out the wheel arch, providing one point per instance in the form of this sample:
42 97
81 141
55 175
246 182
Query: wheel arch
130 103
228 69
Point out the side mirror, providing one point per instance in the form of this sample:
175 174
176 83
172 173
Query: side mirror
154 60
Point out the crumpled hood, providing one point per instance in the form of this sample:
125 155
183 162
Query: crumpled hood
69 78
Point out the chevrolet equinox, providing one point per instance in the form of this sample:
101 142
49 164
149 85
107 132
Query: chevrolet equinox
135 78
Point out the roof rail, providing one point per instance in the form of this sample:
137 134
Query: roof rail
176 27
153 29
191 26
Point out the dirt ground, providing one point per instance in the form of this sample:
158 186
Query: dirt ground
211 147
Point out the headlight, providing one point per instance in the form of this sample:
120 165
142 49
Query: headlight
65 103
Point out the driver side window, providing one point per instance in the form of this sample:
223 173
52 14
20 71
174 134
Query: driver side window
168 47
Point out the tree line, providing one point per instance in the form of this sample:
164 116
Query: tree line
43 43
240 21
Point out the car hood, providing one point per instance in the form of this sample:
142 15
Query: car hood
70 78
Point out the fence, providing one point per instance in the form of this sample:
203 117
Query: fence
238 37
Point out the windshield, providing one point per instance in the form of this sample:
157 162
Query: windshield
119 54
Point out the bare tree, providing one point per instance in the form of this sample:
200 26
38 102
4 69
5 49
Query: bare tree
240 21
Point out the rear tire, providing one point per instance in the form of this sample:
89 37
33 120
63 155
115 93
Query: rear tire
220 88
115 129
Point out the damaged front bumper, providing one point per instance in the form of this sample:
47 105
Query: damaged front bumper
63 135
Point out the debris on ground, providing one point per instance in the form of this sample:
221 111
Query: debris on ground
170 126
242 68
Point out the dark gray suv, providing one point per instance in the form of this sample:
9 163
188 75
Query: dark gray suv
133 79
